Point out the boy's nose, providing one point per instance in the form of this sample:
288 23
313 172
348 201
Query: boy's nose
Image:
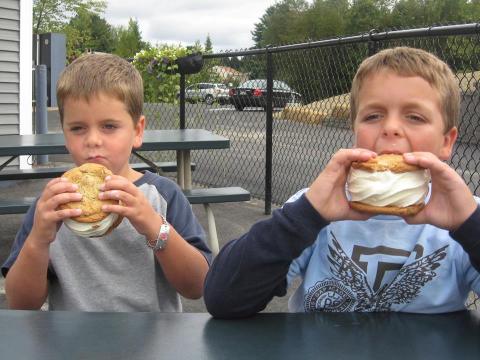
93 139
392 127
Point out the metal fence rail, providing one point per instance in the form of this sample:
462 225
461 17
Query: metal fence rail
278 151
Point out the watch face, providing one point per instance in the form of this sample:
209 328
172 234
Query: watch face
160 244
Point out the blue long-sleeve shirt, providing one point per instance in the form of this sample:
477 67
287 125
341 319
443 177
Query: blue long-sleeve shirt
382 264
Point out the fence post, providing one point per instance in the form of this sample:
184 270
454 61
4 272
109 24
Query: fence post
372 43
269 135
41 117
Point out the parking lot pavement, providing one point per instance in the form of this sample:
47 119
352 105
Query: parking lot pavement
232 219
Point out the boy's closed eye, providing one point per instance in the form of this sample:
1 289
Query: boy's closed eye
416 118
371 117
75 128
109 126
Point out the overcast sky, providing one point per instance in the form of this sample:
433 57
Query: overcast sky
228 22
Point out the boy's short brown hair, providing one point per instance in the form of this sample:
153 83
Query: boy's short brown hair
92 74
406 61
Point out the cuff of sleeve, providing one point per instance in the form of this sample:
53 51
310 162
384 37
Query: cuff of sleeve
306 219
467 236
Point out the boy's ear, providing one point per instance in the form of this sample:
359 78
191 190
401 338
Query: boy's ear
139 129
449 139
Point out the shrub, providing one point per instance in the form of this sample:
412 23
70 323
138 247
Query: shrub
161 81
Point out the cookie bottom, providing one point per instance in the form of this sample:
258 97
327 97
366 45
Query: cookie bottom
387 210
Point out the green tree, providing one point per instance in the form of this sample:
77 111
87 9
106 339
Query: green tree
365 15
53 15
325 18
413 13
208 45
129 40
280 24
88 31
408 12
261 26
233 62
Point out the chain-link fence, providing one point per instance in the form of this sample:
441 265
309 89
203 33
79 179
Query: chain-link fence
281 140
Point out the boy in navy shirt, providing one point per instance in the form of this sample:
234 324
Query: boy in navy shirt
403 101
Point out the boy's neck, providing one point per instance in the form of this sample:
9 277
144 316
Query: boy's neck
130 174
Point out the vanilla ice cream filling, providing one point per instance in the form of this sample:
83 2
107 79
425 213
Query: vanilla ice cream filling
386 188
94 229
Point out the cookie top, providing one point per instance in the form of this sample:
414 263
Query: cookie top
88 177
386 162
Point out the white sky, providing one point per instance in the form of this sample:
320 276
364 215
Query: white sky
228 22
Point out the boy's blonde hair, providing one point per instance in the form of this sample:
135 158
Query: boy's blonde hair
92 74
406 61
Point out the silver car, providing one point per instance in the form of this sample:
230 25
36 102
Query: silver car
207 92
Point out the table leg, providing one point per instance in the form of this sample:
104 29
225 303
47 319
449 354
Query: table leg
180 169
212 230
8 162
187 170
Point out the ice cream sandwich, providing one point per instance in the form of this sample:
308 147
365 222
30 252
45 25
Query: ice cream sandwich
93 222
386 184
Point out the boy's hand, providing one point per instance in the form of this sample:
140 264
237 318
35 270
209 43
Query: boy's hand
47 218
451 201
134 205
327 192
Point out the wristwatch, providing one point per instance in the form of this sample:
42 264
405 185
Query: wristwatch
162 238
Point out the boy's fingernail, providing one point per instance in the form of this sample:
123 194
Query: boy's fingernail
101 195
108 178
101 187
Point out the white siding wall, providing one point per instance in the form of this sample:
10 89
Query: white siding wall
9 66
15 68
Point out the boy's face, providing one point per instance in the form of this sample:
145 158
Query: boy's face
398 114
101 131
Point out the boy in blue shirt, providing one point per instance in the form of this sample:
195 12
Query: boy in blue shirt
403 101
101 110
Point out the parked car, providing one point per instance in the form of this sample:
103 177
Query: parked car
254 93
207 92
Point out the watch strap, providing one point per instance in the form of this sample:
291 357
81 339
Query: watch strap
162 237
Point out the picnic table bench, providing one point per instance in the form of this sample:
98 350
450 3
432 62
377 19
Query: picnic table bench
205 196
180 140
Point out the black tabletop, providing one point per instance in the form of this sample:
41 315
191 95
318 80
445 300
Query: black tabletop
75 335
53 143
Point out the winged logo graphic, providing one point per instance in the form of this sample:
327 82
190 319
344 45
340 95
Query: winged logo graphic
404 288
